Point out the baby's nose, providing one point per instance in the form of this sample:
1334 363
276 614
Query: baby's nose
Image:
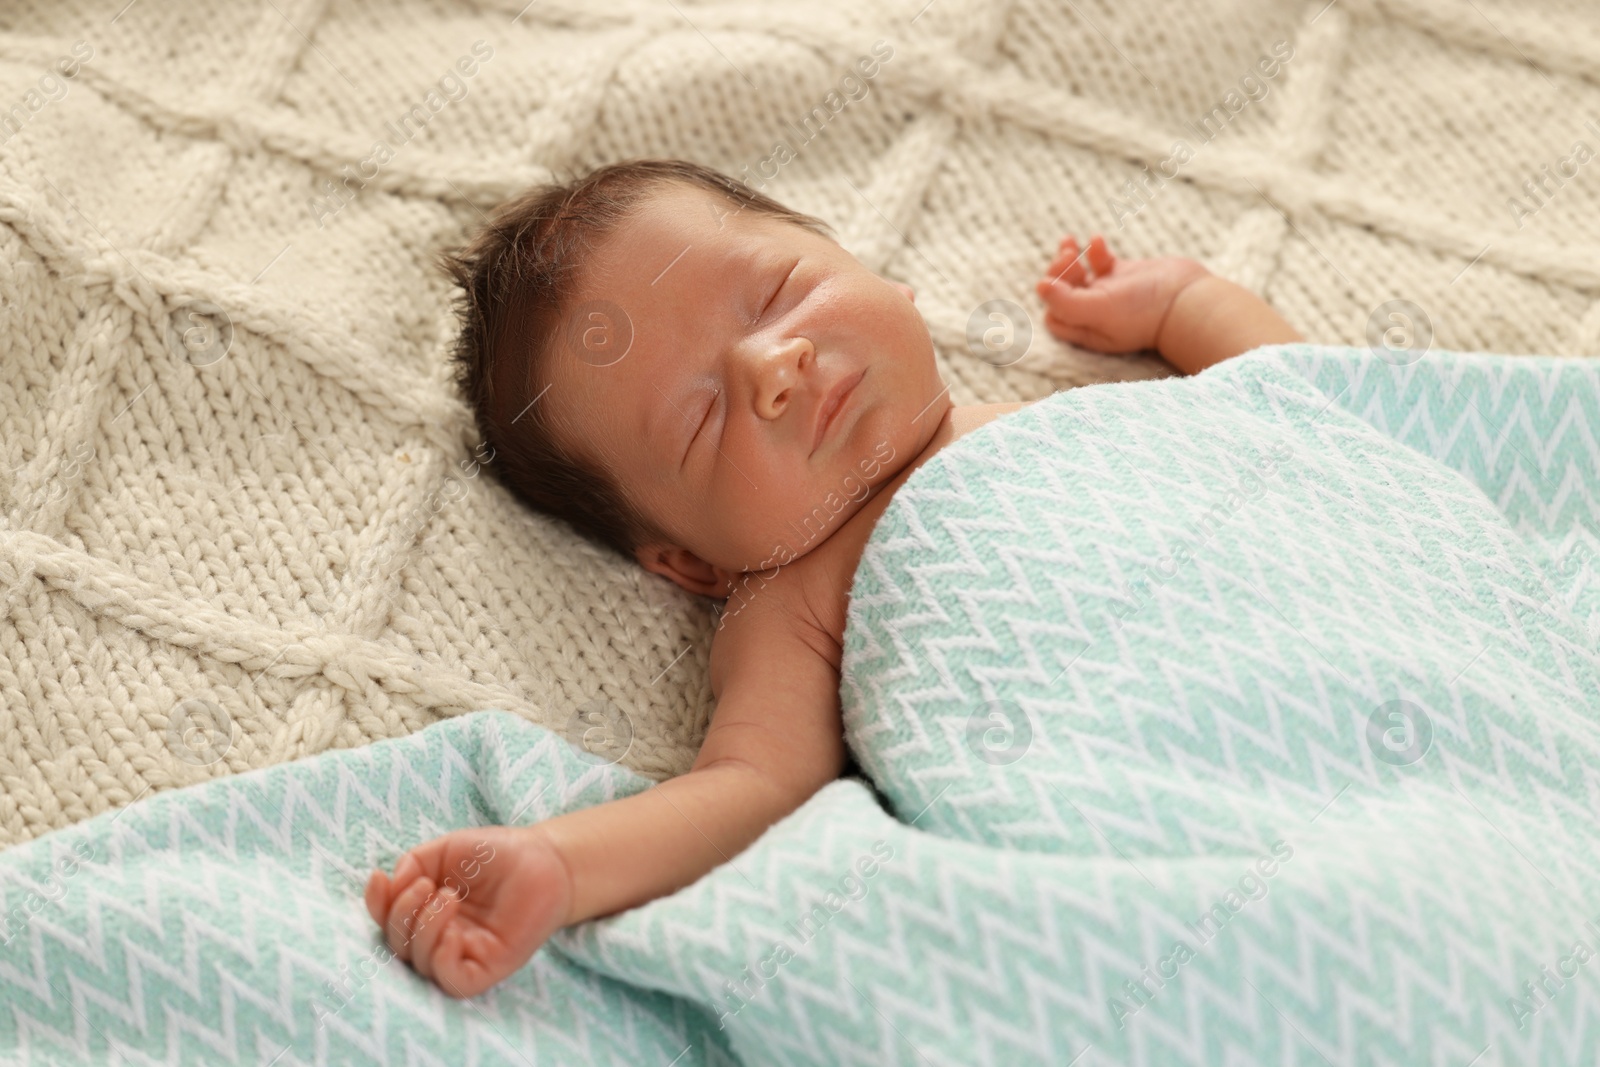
778 373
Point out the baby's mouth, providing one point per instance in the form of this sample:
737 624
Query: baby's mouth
832 405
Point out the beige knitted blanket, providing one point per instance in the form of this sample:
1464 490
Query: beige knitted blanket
244 517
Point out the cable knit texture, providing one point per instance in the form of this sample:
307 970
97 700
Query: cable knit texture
244 515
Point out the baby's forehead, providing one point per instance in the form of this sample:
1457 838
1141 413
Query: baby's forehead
656 269
679 210
693 228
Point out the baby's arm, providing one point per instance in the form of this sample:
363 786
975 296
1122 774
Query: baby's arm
1176 306
469 908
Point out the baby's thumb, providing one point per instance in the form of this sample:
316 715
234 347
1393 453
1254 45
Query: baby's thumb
1070 303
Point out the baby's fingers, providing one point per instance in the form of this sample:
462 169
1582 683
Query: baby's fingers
456 972
432 927
1074 334
1072 304
1100 257
1068 264
377 897
407 914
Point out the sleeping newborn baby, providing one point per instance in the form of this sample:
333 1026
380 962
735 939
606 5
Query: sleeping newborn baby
684 370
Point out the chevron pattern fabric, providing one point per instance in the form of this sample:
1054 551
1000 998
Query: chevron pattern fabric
224 923
1320 786
1312 602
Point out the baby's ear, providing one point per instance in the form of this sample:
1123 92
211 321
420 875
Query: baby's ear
684 568
906 289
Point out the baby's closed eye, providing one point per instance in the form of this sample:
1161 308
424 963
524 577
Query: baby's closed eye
776 289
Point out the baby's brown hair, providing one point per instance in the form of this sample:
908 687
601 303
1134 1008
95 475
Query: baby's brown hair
517 276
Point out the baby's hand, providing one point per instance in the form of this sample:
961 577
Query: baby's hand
1121 307
469 908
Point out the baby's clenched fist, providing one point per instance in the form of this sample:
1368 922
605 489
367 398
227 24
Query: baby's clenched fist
471 907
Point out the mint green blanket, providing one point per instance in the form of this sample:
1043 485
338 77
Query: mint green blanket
1242 718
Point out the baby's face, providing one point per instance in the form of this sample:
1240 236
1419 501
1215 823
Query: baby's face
723 421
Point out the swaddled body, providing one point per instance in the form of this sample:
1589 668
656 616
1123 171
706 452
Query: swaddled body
1185 599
